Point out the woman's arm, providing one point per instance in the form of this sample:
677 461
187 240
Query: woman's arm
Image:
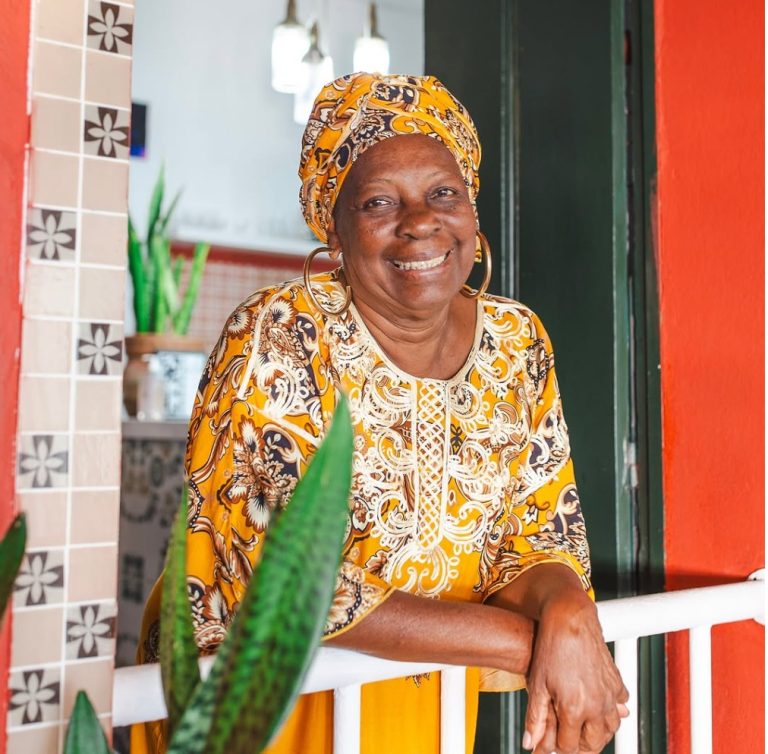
416 629
575 693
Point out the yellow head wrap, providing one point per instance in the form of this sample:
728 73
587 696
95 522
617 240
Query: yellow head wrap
355 112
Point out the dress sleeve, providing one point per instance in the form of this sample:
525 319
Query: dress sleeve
542 522
264 402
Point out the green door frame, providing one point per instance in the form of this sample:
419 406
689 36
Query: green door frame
562 95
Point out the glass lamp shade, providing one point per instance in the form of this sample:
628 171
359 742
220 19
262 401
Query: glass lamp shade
371 55
314 75
290 42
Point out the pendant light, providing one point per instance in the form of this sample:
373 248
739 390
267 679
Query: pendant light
371 50
316 71
289 44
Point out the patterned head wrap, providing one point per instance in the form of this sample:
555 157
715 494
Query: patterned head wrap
355 112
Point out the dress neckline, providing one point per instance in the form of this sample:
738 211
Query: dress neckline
406 376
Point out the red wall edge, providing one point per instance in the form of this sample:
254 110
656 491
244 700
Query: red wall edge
14 135
710 121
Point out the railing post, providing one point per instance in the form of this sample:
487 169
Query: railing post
346 720
453 710
625 655
700 659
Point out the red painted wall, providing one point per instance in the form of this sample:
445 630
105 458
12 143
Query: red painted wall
709 105
14 133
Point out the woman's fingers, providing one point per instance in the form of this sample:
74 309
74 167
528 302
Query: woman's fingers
536 717
549 739
568 733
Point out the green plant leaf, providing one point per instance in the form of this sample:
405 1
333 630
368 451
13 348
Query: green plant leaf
11 553
155 204
84 734
166 295
162 223
261 664
178 651
177 268
137 265
183 315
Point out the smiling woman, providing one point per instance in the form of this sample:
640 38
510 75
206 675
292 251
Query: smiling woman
465 533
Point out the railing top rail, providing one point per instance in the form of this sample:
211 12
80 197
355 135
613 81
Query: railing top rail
138 693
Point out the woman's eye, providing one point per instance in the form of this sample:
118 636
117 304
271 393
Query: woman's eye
376 201
445 192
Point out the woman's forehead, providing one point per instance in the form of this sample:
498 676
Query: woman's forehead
404 153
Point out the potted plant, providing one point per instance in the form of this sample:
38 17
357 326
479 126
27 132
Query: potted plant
162 311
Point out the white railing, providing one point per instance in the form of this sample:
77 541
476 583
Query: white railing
138 694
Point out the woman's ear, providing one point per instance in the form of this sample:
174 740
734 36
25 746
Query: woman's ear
334 242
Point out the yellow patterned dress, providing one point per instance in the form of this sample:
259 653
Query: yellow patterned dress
458 487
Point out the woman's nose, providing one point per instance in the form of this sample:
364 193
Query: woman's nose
419 221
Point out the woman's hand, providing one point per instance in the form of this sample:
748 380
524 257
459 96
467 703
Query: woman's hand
576 697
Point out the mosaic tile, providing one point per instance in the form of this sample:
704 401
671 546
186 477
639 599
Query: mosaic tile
99 349
51 234
105 132
105 185
35 696
56 124
110 27
57 70
103 239
35 738
49 291
53 179
60 20
40 580
91 630
43 461
37 634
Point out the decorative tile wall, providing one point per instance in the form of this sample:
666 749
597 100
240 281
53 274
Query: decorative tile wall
68 464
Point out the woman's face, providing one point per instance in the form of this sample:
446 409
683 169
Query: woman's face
406 227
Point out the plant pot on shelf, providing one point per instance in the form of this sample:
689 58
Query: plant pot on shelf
141 349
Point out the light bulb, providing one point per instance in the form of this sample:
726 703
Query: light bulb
371 50
290 43
371 55
316 71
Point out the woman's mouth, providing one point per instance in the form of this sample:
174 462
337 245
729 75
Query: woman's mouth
428 264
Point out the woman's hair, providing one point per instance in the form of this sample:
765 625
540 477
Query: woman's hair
356 111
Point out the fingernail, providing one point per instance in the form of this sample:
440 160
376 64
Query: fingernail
527 740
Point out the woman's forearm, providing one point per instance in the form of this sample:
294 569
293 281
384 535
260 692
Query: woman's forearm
537 588
417 629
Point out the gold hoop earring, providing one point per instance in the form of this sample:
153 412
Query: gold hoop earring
307 264
486 249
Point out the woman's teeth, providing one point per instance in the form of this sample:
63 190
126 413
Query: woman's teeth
428 265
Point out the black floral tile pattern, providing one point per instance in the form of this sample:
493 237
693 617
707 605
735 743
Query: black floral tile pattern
152 480
91 630
40 580
110 27
51 234
43 461
99 349
35 696
106 132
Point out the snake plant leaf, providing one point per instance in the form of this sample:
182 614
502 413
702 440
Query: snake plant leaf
84 734
183 315
261 664
178 652
166 301
141 293
155 204
163 222
11 553
177 269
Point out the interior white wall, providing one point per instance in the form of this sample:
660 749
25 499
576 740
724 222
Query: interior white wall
224 135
